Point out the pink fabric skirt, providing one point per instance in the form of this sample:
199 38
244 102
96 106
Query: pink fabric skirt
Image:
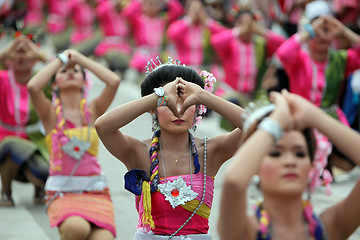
95 207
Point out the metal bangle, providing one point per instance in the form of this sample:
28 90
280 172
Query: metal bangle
272 127
63 58
310 29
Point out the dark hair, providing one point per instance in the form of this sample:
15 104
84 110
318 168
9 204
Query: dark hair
242 12
308 134
166 74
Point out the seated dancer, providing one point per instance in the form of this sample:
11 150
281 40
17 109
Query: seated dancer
23 153
280 148
78 197
172 173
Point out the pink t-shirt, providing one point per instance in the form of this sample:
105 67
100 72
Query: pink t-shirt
83 19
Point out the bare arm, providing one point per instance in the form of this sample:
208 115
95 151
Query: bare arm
108 126
42 104
222 147
342 219
233 220
111 79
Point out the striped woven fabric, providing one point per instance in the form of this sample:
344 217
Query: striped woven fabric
96 207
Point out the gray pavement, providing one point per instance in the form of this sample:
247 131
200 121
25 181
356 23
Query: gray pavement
30 222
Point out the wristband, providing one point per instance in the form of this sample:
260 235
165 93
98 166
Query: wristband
63 58
159 91
162 101
162 98
310 29
272 127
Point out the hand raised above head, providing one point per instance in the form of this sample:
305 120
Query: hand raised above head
300 108
282 112
72 57
32 50
15 45
319 26
171 92
188 93
334 26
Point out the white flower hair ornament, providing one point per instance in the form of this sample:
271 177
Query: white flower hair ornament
255 111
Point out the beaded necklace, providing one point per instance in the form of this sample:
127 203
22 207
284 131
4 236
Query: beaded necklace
154 177
203 196
172 190
75 147
266 230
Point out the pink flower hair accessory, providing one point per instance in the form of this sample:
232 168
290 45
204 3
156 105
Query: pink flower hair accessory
318 175
209 80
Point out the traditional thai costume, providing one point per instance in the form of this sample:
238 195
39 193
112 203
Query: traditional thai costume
21 135
192 41
244 65
114 46
320 83
314 225
148 33
83 37
76 185
179 206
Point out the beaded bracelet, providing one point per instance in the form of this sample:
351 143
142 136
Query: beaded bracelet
63 58
310 29
272 127
162 101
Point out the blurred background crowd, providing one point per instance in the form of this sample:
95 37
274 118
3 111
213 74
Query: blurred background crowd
250 46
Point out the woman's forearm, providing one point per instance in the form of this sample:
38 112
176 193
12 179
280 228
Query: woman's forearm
124 114
42 78
230 111
104 74
345 138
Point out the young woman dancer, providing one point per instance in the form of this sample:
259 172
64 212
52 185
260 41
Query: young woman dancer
23 153
280 150
78 199
173 172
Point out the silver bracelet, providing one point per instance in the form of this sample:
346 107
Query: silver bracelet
63 58
162 100
272 127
